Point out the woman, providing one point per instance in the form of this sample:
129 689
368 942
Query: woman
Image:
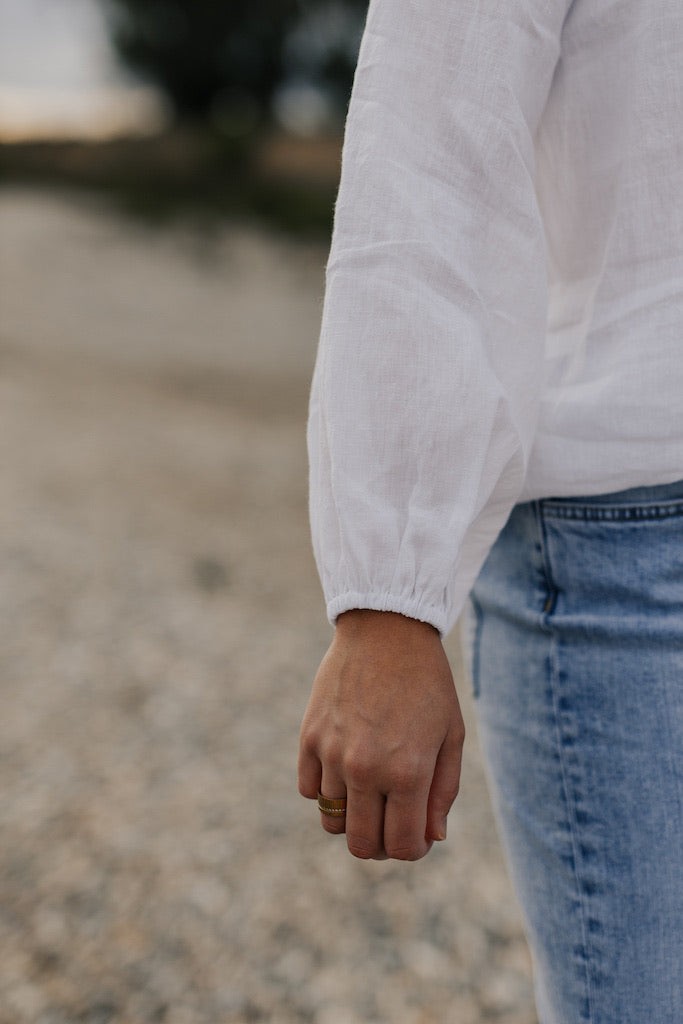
498 398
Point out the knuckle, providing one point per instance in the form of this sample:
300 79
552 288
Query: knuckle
409 774
361 847
309 742
444 798
335 828
459 734
307 789
442 806
330 751
358 768
402 851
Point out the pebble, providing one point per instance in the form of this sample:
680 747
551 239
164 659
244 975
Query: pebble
160 625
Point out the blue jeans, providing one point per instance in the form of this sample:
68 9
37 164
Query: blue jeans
577 665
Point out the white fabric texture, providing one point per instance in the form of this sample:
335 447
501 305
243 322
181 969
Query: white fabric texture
503 316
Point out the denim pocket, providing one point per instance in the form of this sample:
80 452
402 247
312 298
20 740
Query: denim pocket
617 565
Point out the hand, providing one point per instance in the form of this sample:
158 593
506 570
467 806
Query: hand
383 727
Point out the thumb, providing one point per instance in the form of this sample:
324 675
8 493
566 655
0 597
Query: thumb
445 784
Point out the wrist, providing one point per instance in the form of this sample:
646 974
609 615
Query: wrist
366 621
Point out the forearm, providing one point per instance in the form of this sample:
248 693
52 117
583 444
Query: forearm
424 400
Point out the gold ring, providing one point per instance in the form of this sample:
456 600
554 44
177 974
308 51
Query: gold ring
332 808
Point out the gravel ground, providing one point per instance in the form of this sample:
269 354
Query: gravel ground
160 623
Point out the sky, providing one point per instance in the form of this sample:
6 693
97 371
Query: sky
59 76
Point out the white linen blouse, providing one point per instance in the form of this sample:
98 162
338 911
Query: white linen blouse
503 316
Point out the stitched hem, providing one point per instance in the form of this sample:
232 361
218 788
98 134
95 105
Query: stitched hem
411 607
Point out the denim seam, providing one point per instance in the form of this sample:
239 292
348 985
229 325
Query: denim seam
614 513
569 804
670 742
476 645
551 590
554 683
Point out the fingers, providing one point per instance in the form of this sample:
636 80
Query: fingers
405 820
332 786
382 728
364 819
365 824
309 770
445 782
403 825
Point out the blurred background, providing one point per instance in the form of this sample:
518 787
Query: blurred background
167 178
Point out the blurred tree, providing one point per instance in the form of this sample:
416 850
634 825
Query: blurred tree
322 47
201 51
225 53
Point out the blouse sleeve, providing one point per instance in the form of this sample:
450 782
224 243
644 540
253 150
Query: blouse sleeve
426 386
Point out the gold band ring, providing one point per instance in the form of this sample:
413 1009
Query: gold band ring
332 808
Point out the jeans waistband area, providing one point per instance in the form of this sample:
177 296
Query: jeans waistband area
636 503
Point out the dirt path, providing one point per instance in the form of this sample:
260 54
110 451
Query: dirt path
160 621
